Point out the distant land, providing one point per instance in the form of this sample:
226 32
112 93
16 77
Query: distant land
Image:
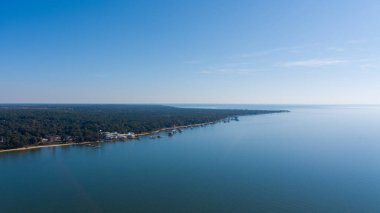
39 125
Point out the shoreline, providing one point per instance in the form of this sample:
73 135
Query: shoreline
35 147
143 134
27 148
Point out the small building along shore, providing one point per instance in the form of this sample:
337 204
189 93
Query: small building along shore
118 136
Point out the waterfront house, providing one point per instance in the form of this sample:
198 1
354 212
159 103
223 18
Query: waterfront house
110 136
131 135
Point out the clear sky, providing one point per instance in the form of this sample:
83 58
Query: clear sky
195 51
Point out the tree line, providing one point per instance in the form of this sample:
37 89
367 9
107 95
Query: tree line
22 125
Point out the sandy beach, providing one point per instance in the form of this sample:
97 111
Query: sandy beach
37 147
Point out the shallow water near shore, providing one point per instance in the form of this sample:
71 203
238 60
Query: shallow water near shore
315 158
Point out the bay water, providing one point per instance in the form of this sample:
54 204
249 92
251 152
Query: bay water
312 159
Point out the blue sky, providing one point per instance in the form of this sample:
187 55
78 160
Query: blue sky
198 51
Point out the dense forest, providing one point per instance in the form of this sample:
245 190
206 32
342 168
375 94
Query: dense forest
22 125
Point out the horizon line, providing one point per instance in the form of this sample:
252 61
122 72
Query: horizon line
305 104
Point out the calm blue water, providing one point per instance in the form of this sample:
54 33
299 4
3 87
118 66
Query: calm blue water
314 159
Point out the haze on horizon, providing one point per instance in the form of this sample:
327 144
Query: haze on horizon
200 51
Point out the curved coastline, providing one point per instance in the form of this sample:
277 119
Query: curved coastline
138 135
27 148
